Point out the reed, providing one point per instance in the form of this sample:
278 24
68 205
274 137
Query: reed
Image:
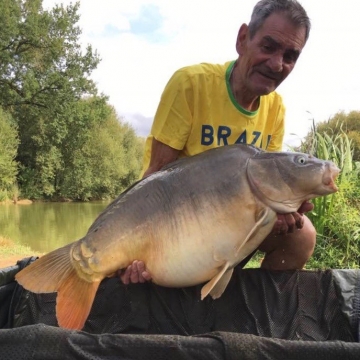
336 217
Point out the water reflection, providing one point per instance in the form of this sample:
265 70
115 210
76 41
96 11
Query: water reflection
47 226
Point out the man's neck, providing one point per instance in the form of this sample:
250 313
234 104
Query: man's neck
249 103
242 95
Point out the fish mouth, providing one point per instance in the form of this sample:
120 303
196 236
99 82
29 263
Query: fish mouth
330 177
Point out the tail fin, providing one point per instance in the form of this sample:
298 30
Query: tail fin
54 272
74 301
47 273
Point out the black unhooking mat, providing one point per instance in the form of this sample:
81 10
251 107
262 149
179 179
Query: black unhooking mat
262 315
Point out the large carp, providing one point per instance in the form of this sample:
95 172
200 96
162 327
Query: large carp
191 223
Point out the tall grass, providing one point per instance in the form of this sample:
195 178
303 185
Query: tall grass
337 217
8 248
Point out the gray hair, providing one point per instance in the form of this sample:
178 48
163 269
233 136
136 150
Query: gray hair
293 9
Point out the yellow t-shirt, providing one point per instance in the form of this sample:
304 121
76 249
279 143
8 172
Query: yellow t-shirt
197 112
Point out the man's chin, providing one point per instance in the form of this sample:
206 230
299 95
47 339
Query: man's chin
262 91
264 85
262 88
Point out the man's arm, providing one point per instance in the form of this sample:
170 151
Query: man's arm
161 155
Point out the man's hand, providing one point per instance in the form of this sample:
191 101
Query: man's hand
134 273
288 223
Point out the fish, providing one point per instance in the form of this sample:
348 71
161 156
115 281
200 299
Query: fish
191 223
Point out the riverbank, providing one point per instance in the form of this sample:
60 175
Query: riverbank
10 252
17 202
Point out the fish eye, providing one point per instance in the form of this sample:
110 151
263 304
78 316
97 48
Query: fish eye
301 160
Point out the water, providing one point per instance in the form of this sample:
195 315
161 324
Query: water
47 226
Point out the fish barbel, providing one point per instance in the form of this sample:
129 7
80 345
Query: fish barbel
191 222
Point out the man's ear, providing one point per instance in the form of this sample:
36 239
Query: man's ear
241 39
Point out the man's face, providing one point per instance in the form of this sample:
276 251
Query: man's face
269 57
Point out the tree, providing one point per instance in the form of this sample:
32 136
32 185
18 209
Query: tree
8 149
106 160
42 65
43 74
71 142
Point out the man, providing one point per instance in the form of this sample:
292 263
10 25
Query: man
206 105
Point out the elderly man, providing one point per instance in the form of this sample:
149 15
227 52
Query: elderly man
209 105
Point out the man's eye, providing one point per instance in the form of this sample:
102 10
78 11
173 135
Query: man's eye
290 58
268 48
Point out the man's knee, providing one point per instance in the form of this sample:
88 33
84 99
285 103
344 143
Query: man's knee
290 251
307 238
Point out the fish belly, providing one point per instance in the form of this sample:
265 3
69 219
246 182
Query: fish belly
198 253
195 259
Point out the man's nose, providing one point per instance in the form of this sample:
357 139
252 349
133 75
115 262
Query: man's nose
275 62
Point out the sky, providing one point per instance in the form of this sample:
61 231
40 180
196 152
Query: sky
143 42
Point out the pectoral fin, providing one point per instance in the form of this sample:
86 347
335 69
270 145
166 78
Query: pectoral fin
216 286
262 218
221 285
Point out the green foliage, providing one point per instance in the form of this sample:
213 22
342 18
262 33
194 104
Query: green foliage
67 141
337 217
340 123
99 157
43 75
8 149
106 161
338 245
42 65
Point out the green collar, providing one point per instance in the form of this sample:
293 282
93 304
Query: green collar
236 104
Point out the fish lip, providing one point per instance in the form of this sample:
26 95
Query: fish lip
330 177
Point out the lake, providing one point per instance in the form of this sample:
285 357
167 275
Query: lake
47 226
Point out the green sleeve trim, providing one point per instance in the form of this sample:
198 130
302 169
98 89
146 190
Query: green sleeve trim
236 104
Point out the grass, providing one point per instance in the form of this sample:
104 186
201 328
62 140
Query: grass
9 248
336 217
255 261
